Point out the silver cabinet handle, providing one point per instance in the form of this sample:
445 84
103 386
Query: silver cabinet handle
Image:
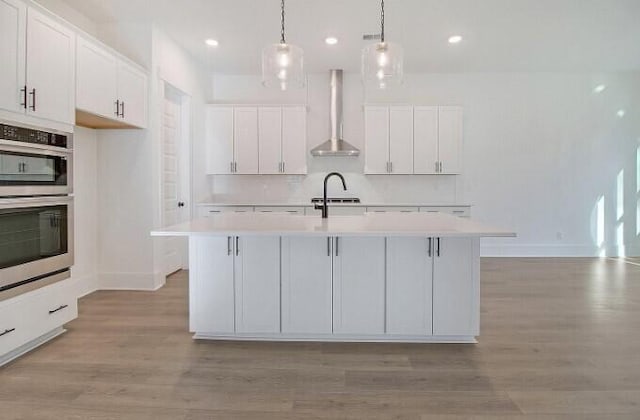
9 331
237 246
228 245
337 245
438 248
122 113
436 164
33 100
440 166
283 166
24 96
235 167
430 245
117 108
328 246
231 167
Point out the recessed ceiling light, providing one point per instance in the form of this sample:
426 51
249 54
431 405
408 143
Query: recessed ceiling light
621 113
331 40
211 42
599 89
455 39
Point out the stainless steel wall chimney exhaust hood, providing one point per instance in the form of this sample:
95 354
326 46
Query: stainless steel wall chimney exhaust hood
335 146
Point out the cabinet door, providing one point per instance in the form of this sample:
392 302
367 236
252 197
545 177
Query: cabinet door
376 132
409 286
270 140
294 140
306 285
257 282
456 287
211 293
358 285
245 130
401 140
450 139
50 68
219 140
96 80
132 92
13 19
425 123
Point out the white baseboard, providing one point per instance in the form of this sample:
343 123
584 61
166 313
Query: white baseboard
85 284
130 281
14 354
547 250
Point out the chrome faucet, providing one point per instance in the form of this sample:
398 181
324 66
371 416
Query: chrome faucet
323 207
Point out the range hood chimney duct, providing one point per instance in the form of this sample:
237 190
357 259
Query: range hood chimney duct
335 146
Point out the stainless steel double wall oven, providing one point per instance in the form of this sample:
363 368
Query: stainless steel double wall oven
36 207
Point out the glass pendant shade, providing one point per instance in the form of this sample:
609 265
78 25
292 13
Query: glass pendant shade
382 65
283 66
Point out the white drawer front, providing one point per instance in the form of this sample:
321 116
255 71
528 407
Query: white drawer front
213 210
13 328
289 210
453 210
392 209
52 308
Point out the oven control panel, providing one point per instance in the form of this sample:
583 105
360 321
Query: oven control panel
28 135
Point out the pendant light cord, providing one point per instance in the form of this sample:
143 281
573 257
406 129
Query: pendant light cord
282 40
381 20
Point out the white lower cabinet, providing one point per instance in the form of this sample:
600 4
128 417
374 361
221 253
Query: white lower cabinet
306 285
212 294
257 284
409 286
456 287
236 285
28 317
352 287
358 285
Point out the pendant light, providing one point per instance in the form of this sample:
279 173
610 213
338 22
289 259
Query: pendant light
282 63
382 62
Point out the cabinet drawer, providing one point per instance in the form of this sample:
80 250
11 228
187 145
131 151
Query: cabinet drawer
454 211
213 210
392 209
52 308
13 328
290 210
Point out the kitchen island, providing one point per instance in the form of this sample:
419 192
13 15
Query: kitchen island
403 277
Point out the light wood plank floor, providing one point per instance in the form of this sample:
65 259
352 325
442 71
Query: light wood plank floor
560 339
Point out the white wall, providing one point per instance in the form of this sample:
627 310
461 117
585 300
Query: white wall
85 185
540 150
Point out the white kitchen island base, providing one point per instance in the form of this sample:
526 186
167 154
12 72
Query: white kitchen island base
373 278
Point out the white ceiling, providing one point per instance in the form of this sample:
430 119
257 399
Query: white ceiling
499 35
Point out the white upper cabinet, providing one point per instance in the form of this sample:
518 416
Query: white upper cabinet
413 140
219 134
245 145
294 140
376 126
401 140
450 139
249 140
132 93
425 160
270 140
389 140
108 87
96 80
39 80
50 68
13 20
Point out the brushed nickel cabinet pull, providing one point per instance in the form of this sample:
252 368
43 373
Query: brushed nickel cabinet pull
24 97
430 246
438 248
328 246
337 245
33 99
228 245
237 246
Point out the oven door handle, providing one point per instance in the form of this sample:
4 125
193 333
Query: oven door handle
35 149
26 202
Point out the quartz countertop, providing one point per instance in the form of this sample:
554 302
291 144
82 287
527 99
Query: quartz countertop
370 224
309 204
